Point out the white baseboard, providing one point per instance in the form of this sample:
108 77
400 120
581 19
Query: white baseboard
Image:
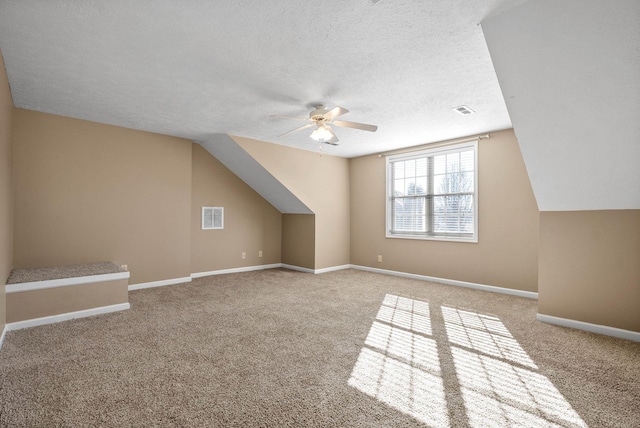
4 332
483 287
18 325
235 270
315 271
65 282
159 283
592 328
332 269
297 268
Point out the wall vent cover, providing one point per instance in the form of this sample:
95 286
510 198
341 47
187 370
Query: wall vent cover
212 218
463 110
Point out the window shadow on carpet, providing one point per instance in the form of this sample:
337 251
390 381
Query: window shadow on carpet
441 367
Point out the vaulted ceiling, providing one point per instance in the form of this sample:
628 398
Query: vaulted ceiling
570 74
563 73
197 68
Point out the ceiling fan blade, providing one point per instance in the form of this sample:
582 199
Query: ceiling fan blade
288 117
335 112
355 125
308 125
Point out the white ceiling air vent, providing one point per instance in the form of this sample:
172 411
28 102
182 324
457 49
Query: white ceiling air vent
212 218
463 110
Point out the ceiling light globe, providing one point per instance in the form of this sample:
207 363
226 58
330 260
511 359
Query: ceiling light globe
321 134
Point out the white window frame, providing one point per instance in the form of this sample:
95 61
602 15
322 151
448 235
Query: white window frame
421 154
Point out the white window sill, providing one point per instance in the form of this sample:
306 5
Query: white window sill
472 240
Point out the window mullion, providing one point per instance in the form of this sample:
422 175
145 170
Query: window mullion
430 192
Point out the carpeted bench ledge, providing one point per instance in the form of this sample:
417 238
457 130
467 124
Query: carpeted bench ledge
45 295
22 279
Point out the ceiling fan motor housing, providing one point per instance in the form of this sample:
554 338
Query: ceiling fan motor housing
318 115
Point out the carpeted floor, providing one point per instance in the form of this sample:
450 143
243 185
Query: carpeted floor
18 276
348 348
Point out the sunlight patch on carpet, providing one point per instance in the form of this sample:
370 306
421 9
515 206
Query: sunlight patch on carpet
484 333
499 383
399 364
410 314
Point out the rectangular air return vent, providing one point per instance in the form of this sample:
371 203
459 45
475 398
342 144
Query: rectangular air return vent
212 218
463 110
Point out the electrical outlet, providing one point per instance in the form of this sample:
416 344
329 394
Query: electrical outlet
260 253
379 258
124 267
244 255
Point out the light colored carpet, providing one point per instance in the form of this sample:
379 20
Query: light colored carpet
347 349
18 276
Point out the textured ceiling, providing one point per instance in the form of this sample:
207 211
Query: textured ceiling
199 68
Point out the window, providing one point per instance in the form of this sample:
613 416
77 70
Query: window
432 194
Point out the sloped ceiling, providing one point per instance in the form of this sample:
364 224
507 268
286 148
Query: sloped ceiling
570 74
198 68
234 157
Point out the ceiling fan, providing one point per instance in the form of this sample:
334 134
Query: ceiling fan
321 118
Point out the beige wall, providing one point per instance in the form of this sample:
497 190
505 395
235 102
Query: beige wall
61 300
506 254
590 267
298 240
251 224
321 182
6 188
87 192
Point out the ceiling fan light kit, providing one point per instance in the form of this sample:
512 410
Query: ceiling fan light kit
322 133
320 117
